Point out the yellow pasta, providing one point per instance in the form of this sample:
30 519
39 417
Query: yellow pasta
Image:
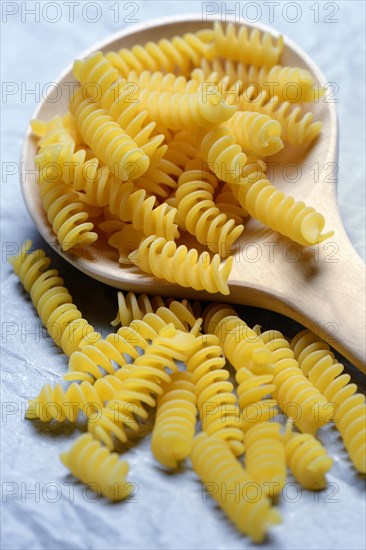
52 300
297 127
240 344
179 265
140 387
265 458
169 82
126 112
96 70
278 211
95 466
256 405
256 132
347 406
217 404
60 405
254 46
201 216
181 53
185 111
308 460
174 428
249 510
110 143
295 394
224 156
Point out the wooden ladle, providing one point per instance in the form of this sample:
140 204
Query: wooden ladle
322 287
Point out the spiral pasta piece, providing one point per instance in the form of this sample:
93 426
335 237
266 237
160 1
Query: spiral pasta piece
109 142
132 205
265 458
292 84
140 387
296 395
125 110
95 466
278 211
255 403
132 306
224 156
67 215
185 110
254 46
240 344
201 216
98 72
256 132
179 265
174 428
52 300
60 405
217 404
106 354
215 465
181 53
308 460
297 128
318 362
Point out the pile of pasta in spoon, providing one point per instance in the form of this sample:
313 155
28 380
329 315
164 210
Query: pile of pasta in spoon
165 144
172 355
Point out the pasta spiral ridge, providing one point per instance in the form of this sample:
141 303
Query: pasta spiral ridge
295 391
214 464
140 387
201 216
254 47
52 300
224 156
185 111
307 459
217 404
132 205
111 144
278 211
60 405
96 70
175 421
67 215
240 344
106 354
253 395
179 265
164 82
126 112
256 132
318 362
265 458
95 466
291 84
297 128
179 53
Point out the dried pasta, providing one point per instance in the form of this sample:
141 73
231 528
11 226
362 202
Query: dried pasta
216 466
265 458
95 466
174 428
256 405
347 406
179 265
52 300
256 132
216 402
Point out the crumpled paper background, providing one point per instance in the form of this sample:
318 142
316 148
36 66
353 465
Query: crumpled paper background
43 506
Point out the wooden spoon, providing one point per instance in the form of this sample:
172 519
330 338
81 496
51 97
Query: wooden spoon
321 287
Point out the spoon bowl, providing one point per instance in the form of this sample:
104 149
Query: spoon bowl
321 287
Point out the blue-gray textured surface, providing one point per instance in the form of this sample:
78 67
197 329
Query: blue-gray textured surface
170 511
